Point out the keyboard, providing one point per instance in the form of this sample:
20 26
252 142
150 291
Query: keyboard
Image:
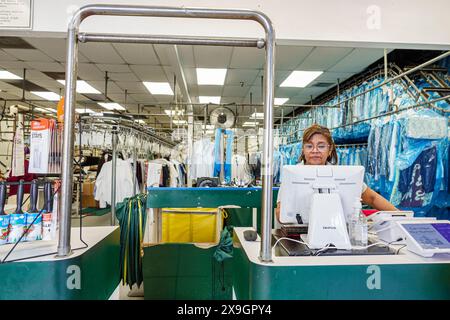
294 231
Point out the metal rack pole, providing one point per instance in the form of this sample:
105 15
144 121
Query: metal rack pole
113 177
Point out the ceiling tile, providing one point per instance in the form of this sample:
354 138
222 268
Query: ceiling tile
100 52
122 76
89 72
13 65
234 91
149 73
37 75
187 56
120 98
162 52
6 57
209 90
143 98
53 47
100 86
323 58
212 57
29 55
289 57
46 66
247 58
358 60
236 76
137 53
113 67
132 86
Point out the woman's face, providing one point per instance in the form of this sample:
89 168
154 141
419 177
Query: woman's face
317 150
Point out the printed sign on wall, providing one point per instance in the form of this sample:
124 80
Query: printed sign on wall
15 14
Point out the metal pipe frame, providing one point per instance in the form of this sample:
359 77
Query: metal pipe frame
127 38
64 248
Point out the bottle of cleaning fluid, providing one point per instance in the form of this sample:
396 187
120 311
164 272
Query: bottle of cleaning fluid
358 225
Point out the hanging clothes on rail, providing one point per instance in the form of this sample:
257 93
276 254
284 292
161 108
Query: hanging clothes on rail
240 171
124 183
202 162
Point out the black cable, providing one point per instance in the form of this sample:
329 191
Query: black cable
398 251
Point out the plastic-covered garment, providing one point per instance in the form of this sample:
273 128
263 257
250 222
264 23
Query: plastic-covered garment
426 124
202 162
240 170
352 155
352 134
229 152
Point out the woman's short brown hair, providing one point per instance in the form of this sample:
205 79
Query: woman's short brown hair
318 129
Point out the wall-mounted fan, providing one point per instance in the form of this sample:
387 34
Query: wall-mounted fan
222 118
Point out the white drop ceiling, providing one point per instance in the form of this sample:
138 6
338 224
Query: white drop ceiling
128 65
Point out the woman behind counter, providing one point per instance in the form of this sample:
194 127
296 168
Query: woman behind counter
319 149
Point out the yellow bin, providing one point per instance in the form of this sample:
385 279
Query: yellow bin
191 225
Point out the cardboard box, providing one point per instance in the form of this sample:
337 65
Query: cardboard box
88 201
88 188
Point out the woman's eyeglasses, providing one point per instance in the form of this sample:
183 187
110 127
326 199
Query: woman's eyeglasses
320 147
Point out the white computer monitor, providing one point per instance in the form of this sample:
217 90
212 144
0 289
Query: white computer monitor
301 181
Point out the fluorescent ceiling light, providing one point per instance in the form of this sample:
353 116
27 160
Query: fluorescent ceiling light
162 88
47 95
82 87
178 122
300 79
174 112
280 101
6 75
209 76
258 115
83 110
249 124
51 110
209 99
111 105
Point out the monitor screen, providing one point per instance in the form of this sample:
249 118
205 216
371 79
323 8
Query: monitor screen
299 182
430 235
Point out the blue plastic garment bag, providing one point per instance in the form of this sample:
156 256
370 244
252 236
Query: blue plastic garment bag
229 154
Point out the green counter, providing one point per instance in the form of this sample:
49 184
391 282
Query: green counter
91 274
337 278
183 270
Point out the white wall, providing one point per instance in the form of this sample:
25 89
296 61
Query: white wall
366 23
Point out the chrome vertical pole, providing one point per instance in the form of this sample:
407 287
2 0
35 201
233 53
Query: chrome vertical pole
65 200
385 65
267 158
113 177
